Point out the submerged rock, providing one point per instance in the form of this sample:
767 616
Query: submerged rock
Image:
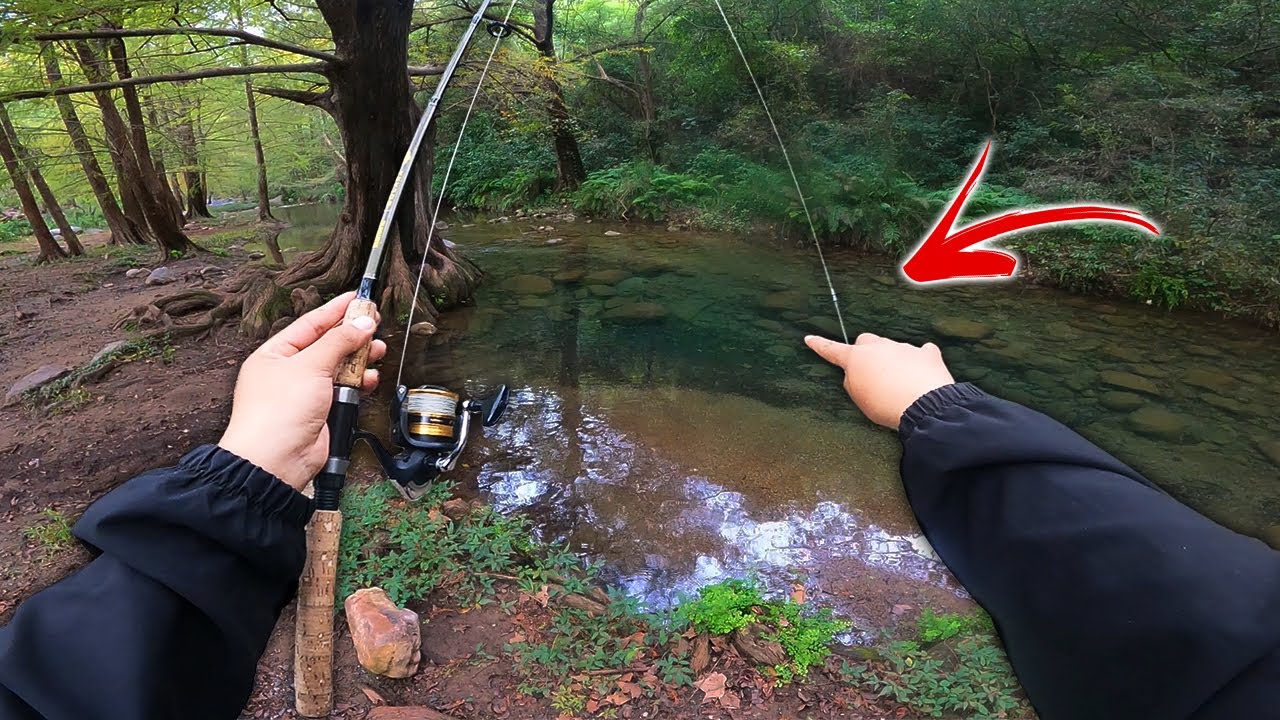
388 639
957 328
569 277
602 290
1208 380
534 302
1159 423
785 300
1270 449
606 277
1271 536
1124 352
1129 381
1149 370
529 285
826 326
612 233
770 325
1123 401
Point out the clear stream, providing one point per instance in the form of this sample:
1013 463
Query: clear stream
667 419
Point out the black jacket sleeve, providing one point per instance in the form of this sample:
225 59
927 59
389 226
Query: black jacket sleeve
196 562
1113 599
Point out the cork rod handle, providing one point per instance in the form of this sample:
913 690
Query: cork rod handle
351 371
313 643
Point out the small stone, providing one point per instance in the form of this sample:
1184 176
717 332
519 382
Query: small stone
1159 423
42 376
612 233
636 312
555 241
388 639
602 290
257 255
160 276
606 277
956 328
422 329
1122 401
529 285
1128 381
137 272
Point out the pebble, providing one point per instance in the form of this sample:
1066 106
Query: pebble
388 639
160 276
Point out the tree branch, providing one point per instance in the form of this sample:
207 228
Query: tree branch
219 32
317 68
425 70
321 100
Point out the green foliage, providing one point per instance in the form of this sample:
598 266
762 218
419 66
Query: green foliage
411 549
640 190
934 627
14 230
805 635
721 608
52 532
675 670
973 680
578 642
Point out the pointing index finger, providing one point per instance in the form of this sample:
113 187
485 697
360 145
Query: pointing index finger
829 350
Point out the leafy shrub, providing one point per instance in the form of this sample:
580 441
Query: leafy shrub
722 608
14 230
806 637
639 189
935 628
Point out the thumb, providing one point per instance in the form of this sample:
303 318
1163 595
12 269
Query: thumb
830 350
336 344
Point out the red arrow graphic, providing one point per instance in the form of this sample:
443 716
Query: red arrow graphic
949 254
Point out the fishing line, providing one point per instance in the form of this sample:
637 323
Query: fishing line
813 231
444 186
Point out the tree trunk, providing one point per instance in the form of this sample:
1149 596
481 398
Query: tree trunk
373 52
49 248
644 76
569 169
177 189
137 188
123 229
197 196
27 164
264 196
152 169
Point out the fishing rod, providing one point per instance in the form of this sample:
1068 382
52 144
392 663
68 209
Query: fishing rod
431 422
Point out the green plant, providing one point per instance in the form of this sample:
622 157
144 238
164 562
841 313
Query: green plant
568 702
721 608
675 670
14 230
934 628
975 681
805 635
51 533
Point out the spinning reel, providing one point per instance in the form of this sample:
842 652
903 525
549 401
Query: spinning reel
433 426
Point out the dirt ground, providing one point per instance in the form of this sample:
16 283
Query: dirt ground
147 413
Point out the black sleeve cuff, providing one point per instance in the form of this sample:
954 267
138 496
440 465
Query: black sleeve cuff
936 401
237 476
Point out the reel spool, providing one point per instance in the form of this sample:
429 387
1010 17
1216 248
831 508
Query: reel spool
499 29
433 426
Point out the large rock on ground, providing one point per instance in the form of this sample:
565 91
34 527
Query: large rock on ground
388 639
161 276
40 377
636 313
529 285
1159 423
956 328
1129 381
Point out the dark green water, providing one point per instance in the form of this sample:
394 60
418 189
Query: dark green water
667 418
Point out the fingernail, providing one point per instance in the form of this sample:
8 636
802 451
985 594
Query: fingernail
363 323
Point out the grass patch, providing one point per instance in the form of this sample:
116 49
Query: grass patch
125 257
934 627
52 532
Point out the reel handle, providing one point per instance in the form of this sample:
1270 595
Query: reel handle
351 370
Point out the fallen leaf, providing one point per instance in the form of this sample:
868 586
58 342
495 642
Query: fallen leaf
797 593
712 685
544 596
618 697
592 706
373 695
518 637
730 701
630 688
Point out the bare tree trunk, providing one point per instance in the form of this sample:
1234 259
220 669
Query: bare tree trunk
570 172
49 248
137 187
264 196
644 74
27 165
123 229
197 196
152 171
177 188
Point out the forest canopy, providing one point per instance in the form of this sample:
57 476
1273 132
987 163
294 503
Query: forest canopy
641 109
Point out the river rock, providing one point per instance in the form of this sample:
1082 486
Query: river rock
41 376
632 286
1122 401
785 300
606 277
612 233
885 280
825 326
602 290
1231 405
388 639
1208 379
780 350
137 272
1062 331
994 343
1123 352
1128 381
1271 450
529 285
160 276
957 328
533 303
1159 423
1203 351
770 325
1149 370
636 312
569 277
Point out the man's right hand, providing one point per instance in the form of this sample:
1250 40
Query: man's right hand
882 376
